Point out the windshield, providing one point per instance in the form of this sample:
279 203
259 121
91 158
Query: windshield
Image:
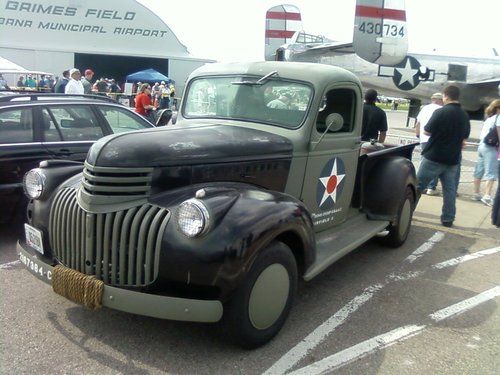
273 101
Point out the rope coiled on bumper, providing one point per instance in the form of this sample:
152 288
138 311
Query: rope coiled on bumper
77 287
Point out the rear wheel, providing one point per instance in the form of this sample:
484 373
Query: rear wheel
398 231
261 304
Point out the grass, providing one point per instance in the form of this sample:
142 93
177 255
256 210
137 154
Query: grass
388 106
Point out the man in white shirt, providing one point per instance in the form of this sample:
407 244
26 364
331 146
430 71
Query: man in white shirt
74 85
422 119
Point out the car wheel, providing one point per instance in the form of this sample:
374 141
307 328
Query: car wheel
260 306
398 231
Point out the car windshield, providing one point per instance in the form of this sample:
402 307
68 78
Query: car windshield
268 100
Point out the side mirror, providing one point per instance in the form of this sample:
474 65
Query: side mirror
334 122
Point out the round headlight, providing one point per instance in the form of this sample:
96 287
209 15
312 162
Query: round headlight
33 183
192 218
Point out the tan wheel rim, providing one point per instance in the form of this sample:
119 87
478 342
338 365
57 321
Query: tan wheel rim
268 297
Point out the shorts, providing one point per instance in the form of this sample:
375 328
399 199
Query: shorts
486 166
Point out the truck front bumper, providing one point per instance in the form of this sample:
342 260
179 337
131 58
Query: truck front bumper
156 306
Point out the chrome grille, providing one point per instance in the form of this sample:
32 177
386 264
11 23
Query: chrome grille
120 248
116 181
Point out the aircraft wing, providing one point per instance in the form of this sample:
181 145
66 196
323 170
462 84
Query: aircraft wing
486 82
324 49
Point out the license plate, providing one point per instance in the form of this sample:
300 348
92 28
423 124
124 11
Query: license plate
33 238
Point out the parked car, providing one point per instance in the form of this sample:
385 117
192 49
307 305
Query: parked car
36 127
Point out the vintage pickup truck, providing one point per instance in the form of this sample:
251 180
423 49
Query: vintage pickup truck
260 182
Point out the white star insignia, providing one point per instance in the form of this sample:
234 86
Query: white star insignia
407 74
331 183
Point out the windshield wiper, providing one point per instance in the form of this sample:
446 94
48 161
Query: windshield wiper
257 83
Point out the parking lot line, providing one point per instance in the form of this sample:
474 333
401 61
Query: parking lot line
293 356
10 264
387 339
298 352
425 247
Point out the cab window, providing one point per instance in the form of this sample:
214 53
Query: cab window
341 101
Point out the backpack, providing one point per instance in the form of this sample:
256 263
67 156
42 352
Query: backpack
491 139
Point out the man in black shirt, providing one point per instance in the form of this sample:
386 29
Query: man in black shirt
374 119
448 128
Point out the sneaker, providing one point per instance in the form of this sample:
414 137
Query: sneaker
476 197
447 224
431 192
487 200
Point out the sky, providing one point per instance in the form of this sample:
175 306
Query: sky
233 30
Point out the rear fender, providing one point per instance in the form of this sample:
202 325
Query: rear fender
384 185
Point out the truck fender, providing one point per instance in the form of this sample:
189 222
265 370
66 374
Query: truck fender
244 220
384 186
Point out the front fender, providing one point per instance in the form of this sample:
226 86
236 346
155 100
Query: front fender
384 186
245 219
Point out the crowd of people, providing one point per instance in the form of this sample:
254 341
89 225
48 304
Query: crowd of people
150 98
443 127
72 82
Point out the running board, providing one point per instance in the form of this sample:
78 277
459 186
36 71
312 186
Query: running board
337 242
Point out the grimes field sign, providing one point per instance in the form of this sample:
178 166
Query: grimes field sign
52 24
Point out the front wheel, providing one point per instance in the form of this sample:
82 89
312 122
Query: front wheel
398 231
261 304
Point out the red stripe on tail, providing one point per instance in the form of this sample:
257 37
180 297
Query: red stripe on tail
372 12
283 16
279 33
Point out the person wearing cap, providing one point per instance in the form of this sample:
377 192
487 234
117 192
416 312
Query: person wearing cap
87 81
374 119
74 85
448 128
422 119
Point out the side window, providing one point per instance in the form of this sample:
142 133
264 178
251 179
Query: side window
16 126
51 132
75 122
341 101
121 120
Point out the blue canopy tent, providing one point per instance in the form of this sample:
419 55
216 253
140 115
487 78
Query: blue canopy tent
148 75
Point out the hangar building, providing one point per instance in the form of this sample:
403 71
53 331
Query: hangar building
114 38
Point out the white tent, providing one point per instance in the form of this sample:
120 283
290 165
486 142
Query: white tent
11 71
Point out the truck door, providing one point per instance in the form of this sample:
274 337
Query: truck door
333 157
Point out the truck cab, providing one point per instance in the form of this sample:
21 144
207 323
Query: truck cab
260 182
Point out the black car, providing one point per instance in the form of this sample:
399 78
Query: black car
38 127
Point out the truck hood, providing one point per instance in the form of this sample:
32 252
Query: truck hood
188 145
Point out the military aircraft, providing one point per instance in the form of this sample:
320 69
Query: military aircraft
379 56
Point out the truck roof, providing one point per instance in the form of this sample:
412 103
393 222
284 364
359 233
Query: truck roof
311 72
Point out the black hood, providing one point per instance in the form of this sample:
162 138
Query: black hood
176 145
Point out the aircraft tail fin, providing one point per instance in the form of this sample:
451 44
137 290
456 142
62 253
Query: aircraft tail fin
282 21
380 33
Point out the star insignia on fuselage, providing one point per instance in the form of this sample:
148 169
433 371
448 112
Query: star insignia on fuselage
331 183
407 74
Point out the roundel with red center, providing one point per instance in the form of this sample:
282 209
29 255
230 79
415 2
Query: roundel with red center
330 184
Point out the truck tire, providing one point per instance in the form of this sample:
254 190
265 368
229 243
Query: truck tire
398 231
261 304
